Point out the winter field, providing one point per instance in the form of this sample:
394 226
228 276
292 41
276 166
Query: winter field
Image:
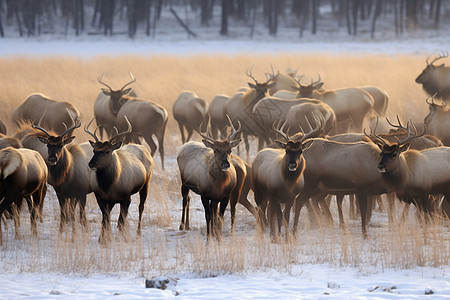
407 260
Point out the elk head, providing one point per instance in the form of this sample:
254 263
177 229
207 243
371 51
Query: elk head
103 150
222 149
424 77
56 143
294 149
306 91
390 151
261 88
116 96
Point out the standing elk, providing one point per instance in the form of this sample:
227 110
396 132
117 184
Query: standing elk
189 110
283 81
217 116
380 99
240 108
435 80
277 176
23 173
438 120
53 114
69 172
108 104
118 173
147 118
208 170
351 105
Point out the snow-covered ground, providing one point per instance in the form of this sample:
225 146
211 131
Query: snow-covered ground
309 281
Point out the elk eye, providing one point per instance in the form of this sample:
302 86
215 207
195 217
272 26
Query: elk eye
394 155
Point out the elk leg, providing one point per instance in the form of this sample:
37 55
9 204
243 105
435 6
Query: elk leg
190 131
339 200
362 200
142 198
124 206
105 234
160 138
83 219
183 139
185 210
207 208
223 206
63 213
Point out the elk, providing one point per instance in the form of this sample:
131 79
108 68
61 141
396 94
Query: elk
6 141
209 170
240 108
53 113
351 105
438 120
277 176
380 99
108 104
23 173
69 172
339 168
283 81
189 110
3 129
217 117
435 80
118 173
147 118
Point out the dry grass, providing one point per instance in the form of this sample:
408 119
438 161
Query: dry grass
164 249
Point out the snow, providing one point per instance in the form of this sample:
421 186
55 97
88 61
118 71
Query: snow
305 281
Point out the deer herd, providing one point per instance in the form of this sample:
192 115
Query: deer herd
312 144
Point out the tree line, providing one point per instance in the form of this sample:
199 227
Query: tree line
108 17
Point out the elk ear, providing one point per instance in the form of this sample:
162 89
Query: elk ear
116 145
404 147
307 144
126 92
318 86
273 84
235 143
92 143
43 140
440 66
208 144
15 161
253 86
68 140
281 144
106 92
380 145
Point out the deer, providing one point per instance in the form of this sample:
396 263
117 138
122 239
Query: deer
240 108
189 110
415 175
435 79
23 174
108 104
277 176
438 120
351 105
68 172
118 172
208 169
53 114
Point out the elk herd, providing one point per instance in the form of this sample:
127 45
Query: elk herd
312 143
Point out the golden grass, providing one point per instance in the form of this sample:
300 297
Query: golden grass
164 249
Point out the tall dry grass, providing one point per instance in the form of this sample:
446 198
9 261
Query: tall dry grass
163 249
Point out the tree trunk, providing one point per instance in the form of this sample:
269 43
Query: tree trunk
224 23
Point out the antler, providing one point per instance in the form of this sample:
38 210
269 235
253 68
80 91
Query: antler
234 131
373 134
38 126
249 74
444 54
86 129
101 82
118 136
279 130
312 131
206 134
410 135
75 124
444 103
133 79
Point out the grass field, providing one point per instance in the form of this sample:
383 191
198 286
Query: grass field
163 248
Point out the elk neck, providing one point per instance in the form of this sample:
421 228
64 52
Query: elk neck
106 177
59 172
